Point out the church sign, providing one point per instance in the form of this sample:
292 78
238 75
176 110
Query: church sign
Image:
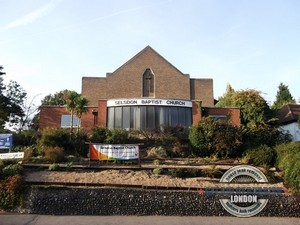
145 102
113 152
6 141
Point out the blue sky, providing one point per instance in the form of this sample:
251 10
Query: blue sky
48 45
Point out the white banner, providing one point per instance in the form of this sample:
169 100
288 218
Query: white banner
13 155
111 152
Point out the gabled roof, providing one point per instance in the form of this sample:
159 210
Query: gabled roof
289 113
148 48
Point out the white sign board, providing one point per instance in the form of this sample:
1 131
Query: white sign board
13 155
114 152
147 101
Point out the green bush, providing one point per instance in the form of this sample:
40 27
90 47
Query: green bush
54 154
288 160
54 167
158 171
104 135
292 173
212 173
173 139
56 137
176 141
262 156
227 140
285 153
69 165
211 137
11 190
10 184
26 138
9 168
98 135
79 145
178 134
201 138
262 134
157 153
118 136
185 173
156 162
270 176
29 152
190 173
5 162
59 137
72 158
178 173
12 169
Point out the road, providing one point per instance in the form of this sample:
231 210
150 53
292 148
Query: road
26 219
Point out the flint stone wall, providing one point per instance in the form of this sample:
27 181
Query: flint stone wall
116 201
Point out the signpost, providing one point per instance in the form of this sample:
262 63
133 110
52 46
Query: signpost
6 141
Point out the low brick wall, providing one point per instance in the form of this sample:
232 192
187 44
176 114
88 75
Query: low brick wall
117 201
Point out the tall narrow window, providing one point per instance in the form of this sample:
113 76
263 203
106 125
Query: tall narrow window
148 83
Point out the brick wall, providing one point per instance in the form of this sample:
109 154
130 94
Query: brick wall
102 113
196 113
87 120
50 116
126 82
94 88
234 113
202 89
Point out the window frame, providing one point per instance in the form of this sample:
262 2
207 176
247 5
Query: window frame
66 119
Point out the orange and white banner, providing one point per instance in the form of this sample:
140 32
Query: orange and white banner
113 152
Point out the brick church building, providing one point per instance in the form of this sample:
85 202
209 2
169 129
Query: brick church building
147 92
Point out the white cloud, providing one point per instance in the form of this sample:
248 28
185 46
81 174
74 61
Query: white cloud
33 16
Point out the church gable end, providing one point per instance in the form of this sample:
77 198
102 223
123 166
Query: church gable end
128 81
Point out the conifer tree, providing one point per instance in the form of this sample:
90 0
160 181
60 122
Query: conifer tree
283 96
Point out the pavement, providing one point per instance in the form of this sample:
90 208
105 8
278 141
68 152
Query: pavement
29 219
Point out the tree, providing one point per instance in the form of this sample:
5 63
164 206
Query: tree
17 97
1 81
15 109
283 96
3 101
80 108
56 99
254 108
226 100
12 99
74 102
31 114
70 97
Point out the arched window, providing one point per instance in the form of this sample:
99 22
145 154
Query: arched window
148 83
